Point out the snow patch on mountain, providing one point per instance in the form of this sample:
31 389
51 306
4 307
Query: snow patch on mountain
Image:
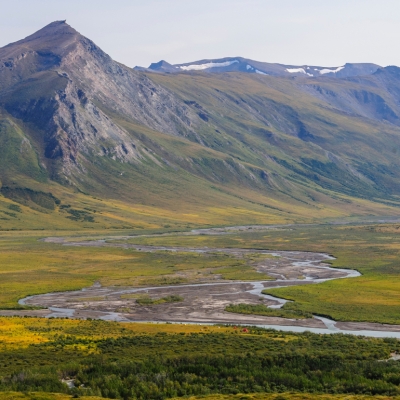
199 67
249 67
320 71
327 70
298 70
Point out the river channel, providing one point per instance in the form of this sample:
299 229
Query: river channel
205 302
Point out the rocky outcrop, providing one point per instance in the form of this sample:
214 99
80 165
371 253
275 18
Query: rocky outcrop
65 85
125 91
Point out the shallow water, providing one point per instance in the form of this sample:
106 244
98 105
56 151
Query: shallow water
257 289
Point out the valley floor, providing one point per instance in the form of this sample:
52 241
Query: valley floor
209 279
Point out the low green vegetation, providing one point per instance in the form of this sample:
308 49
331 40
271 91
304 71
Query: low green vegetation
240 396
167 299
27 197
288 396
42 396
241 273
30 267
234 169
262 309
160 361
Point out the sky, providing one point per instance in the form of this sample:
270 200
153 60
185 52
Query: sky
296 32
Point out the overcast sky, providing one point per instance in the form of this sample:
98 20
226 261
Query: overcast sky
139 32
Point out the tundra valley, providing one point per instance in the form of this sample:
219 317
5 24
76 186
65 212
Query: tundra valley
224 229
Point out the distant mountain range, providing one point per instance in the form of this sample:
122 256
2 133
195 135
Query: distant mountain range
86 142
230 64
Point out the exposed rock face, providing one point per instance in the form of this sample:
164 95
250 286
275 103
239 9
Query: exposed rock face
70 77
78 127
125 91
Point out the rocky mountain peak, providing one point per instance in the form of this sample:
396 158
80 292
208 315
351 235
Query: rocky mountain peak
54 30
62 83
56 38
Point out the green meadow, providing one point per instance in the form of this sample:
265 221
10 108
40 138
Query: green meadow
29 267
32 267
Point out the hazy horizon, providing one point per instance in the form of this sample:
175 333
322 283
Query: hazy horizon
286 32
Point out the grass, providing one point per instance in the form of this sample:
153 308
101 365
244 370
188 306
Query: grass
145 301
25 333
247 171
22 332
240 109
30 267
241 273
261 309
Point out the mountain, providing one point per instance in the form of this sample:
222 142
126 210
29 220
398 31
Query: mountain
86 142
57 60
230 64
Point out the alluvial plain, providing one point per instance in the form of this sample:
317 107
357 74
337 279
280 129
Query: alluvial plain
372 249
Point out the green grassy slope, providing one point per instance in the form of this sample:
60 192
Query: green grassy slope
236 148
277 117
115 196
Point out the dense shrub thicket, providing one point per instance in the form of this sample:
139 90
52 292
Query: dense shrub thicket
160 379
161 366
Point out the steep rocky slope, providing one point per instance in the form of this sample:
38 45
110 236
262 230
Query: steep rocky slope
86 141
54 79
